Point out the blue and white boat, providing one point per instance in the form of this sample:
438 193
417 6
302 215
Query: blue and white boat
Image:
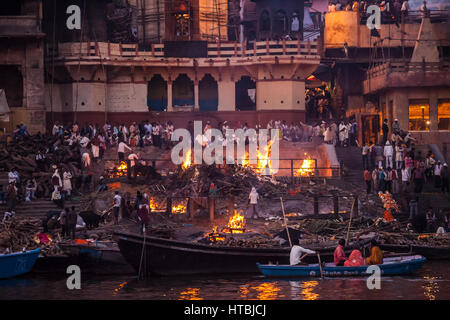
391 266
17 263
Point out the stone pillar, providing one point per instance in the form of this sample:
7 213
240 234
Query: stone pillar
196 104
226 95
401 108
169 96
433 111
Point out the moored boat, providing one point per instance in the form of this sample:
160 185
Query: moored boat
391 266
96 256
429 252
157 256
17 263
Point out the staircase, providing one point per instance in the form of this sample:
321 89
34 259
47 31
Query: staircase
38 208
353 164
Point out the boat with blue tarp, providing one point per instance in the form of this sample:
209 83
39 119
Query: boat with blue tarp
401 265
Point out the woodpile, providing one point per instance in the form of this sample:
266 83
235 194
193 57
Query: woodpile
230 180
21 154
19 233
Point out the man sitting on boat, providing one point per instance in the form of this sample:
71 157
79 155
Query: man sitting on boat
339 254
376 255
298 253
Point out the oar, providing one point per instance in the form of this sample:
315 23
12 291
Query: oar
320 264
350 223
285 223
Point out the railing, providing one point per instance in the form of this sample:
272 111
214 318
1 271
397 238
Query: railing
219 49
262 48
287 169
106 49
19 25
390 67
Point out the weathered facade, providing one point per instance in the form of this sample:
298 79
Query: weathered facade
22 63
395 75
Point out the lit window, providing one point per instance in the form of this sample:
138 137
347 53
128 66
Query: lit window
444 115
419 115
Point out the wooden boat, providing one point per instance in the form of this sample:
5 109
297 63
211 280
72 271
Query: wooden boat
391 266
99 256
106 251
17 263
157 256
429 252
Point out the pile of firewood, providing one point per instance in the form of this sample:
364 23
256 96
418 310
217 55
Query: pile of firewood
19 233
230 180
21 154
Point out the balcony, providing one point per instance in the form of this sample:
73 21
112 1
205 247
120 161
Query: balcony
406 74
20 27
218 53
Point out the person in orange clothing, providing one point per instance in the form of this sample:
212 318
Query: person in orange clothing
355 259
376 255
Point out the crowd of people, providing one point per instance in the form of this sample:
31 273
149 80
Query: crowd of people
391 10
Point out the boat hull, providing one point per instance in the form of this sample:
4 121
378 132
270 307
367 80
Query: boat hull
156 256
431 253
18 263
391 266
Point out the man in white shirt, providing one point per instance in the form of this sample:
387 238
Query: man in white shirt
117 201
121 150
133 157
298 253
406 176
84 141
253 200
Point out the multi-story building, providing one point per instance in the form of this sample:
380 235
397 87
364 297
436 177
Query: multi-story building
174 63
399 72
22 63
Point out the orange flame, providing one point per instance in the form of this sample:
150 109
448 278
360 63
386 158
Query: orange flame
179 208
307 168
236 224
187 161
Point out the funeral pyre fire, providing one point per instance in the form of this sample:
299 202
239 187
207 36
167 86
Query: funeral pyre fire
236 224
187 160
120 171
307 167
263 159
179 208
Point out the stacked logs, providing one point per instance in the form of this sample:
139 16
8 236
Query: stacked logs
230 180
21 154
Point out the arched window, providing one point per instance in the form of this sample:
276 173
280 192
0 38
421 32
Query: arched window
157 93
208 93
264 21
280 23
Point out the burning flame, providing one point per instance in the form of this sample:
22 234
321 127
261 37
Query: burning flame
187 161
153 204
307 168
264 158
119 171
236 224
179 208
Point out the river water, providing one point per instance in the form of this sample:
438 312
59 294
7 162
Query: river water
432 282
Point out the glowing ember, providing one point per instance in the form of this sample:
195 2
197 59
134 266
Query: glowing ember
153 204
179 208
307 168
188 161
236 224
215 236
119 171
